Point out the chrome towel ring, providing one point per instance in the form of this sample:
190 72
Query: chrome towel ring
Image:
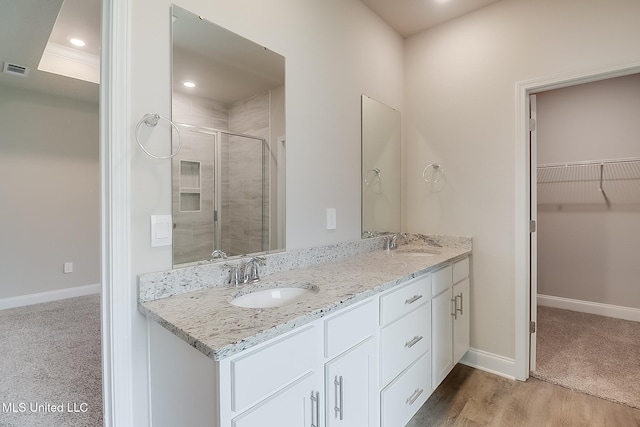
373 177
151 120
433 173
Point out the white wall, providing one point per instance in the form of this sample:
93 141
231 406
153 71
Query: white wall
589 253
460 81
335 50
49 192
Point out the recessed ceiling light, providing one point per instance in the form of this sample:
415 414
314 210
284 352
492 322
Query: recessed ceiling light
77 42
189 84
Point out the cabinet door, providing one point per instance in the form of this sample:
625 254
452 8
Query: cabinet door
461 320
351 387
298 405
441 335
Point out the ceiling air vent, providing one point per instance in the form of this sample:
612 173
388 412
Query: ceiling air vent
15 69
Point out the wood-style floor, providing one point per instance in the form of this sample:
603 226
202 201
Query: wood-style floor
470 397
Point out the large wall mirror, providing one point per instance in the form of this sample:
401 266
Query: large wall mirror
381 178
228 177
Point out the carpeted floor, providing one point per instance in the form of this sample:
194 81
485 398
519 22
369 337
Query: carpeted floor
51 364
593 354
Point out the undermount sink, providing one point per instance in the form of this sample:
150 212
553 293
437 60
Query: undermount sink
418 251
275 295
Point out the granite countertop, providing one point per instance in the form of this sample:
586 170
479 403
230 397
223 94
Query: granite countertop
206 320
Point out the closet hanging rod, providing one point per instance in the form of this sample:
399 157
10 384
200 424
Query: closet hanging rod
589 163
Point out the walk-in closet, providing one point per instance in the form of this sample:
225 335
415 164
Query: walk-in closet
587 152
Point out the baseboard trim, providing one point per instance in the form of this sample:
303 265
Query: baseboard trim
619 312
489 362
56 295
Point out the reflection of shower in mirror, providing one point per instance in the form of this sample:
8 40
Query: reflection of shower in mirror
227 179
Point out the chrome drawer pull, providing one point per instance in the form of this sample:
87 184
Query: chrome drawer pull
338 383
455 308
315 401
413 342
413 299
414 396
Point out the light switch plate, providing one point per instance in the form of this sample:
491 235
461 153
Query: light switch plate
331 218
161 230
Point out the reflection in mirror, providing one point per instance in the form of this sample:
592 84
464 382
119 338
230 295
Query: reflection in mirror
227 180
380 168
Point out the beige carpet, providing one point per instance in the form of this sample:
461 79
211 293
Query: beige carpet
50 364
593 354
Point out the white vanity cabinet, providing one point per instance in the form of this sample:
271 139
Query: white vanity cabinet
450 318
275 381
323 374
405 356
351 367
370 364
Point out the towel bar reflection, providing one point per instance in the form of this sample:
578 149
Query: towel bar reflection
151 120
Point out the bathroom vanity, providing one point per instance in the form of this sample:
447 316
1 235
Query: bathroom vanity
366 347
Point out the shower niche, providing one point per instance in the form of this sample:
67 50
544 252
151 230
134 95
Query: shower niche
231 122
189 187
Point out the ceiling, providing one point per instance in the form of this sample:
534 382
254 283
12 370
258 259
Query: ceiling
409 17
27 26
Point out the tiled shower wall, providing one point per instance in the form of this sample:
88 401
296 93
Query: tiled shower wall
248 200
242 186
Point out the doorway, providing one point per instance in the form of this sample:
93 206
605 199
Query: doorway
525 236
50 275
587 180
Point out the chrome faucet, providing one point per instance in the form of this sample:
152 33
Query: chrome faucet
250 269
218 254
391 242
234 274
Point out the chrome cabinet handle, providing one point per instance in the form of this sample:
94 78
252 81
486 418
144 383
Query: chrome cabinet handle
315 401
455 308
413 299
339 391
413 342
459 309
414 396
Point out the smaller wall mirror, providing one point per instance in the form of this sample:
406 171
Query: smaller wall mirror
227 179
381 179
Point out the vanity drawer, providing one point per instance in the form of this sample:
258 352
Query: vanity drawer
461 270
262 372
442 279
404 341
351 326
402 300
402 399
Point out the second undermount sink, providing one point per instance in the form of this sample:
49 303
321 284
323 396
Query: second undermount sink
418 251
275 295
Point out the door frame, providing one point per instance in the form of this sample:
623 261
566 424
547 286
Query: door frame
117 301
523 181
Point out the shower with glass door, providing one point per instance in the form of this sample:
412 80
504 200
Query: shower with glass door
220 194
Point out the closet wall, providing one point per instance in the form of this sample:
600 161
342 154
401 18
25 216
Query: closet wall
588 251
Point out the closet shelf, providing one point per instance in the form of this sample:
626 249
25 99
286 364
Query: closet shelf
602 183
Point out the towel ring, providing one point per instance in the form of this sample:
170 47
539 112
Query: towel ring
376 176
152 120
438 171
